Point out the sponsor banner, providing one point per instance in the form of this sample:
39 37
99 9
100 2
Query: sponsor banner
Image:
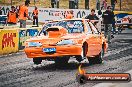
5 9
123 17
25 34
46 14
82 77
57 14
9 41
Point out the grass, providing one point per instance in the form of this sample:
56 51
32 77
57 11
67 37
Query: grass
126 4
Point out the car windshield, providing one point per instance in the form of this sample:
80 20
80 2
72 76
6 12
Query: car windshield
73 26
43 31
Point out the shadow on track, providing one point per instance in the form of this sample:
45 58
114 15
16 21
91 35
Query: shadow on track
53 67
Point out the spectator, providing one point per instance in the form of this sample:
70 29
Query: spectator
113 2
53 3
35 16
71 4
0 11
23 14
12 17
108 17
86 4
104 5
98 4
57 3
92 16
69 15
76 4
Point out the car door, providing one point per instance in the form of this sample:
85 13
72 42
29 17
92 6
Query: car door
96 40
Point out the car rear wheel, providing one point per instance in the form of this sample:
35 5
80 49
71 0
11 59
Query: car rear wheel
37 60
97 59
62 60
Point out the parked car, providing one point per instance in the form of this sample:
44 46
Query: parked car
70 38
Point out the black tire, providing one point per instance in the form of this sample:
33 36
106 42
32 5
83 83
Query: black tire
79 58
62 60
37 60
97 59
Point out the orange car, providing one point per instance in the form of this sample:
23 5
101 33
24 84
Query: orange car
60 40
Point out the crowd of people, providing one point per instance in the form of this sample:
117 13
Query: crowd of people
108 19
20 14
73 4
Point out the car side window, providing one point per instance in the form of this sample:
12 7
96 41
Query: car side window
88 27
95 31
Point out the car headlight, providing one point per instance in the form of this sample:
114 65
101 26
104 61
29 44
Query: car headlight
65 42
34 44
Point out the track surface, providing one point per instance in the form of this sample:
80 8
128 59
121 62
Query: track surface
17 70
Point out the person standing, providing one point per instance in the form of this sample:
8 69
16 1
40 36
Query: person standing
92 16
98 4
108 17
113 2
12 16
23 14
86 4
35 16
0 11
104 5
57 3
76 4
71 4
52 3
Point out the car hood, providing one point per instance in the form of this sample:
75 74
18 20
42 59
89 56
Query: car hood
47 40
